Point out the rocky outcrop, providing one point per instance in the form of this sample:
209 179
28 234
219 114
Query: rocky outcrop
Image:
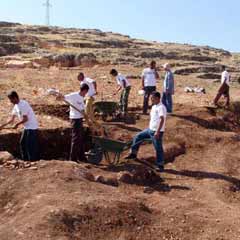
18 64
74 60
8 24
209 76
199 69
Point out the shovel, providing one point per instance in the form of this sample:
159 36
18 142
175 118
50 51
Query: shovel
56 93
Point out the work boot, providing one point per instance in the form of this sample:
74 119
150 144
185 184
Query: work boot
160 169
131 156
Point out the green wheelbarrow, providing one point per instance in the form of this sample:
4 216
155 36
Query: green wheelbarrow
106 146
111 146
106 108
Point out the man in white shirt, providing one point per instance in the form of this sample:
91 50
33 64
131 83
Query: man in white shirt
125 86
224 88
149 83
155 131
90 96
76 116
29 140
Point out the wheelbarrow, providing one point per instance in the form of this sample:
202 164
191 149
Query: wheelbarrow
106 108
103 147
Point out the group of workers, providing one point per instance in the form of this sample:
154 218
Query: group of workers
81 106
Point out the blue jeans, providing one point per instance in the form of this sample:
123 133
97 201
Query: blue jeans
149 134
167 101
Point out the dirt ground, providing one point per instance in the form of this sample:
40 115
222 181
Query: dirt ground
196 198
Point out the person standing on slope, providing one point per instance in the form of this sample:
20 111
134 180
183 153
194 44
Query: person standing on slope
155 132
168 88
149 83
224 88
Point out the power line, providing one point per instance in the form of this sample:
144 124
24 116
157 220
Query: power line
48 6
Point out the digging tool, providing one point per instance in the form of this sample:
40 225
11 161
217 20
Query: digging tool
56 93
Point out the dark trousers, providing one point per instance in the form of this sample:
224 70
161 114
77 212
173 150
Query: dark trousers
147 94
167 101
77 145
223 91
29 145
124 99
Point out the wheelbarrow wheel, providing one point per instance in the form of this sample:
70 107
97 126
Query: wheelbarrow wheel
104 117
95 155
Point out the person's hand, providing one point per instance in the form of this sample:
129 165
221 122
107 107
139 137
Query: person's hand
15 126
157 135
60 97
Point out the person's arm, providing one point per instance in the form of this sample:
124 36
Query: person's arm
118 90
156 74
143 82
11 121
157 133
24 120
120 86
95 86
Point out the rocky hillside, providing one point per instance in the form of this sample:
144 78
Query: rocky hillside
46 46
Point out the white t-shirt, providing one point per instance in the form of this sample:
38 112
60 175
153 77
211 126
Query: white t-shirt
92 90
157 112
23 108
120 79
77 101
225 77
150 79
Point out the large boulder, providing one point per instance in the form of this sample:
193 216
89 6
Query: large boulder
10 48
152 54
5 157
88 59
45 61
64 60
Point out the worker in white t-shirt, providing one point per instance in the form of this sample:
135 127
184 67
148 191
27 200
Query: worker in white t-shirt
76 115
124 85
29 140
155 132
224 88
90 97
149 83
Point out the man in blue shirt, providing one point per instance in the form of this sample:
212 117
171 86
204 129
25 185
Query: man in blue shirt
168 88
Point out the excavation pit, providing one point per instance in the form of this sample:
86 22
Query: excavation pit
54 143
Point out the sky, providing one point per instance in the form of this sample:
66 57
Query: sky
200 22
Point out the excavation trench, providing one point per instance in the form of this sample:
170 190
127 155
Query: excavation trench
54 143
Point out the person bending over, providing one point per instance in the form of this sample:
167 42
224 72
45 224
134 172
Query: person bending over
29 146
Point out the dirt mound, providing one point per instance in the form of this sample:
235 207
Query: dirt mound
67 218
106 222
